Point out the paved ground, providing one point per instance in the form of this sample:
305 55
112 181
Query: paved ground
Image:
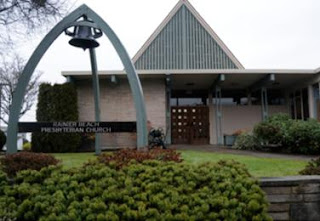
222 149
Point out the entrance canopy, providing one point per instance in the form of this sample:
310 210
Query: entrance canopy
235 79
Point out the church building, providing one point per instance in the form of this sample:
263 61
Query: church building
195 88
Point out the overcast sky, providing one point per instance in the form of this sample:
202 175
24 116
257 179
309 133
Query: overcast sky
260 33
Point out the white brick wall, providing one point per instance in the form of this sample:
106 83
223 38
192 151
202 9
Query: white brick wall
116 103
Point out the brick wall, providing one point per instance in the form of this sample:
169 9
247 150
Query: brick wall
293 198
116 103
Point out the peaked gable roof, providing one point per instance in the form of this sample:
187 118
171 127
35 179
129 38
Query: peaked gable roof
184 41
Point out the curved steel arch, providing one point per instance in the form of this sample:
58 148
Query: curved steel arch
134 81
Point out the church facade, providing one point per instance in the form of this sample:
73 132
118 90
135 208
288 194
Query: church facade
195 88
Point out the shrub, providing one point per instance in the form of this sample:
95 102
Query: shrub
3 182
26 146
54 105
304 137
274 129
246 141
3 139
13 163
288 135
123 157
151 190
313 168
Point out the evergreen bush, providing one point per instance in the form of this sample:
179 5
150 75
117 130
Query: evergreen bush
152 190
304 137
56 103
274 130
246 141
3 139
280 132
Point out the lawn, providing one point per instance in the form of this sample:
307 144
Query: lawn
70 160
259 167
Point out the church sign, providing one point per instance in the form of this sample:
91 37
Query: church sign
77 127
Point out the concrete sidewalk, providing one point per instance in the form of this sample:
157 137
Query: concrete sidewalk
229 150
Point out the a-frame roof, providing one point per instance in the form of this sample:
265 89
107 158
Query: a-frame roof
184 41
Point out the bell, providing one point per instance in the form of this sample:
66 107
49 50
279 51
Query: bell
84 38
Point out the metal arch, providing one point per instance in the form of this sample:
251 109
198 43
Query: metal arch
40 51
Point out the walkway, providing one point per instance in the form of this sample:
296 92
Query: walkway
229 150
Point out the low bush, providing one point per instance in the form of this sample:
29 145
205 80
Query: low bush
151 190
268 133
304 137
246 141
313 168
3 139
280 133
13 163
124 156
274 130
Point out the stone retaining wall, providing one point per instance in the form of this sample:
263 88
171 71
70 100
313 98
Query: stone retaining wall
293 198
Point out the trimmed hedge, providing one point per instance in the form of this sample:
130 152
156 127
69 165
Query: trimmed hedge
13 163
56 103
3 139
151 190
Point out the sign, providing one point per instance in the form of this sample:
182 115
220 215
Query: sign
77 127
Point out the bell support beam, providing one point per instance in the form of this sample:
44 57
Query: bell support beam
135 85
96 95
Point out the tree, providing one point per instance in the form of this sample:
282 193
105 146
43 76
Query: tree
24 16
10 72
31 13
19 19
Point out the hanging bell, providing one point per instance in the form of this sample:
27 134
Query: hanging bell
83 36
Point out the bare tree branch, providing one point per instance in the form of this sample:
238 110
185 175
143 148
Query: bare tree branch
21 18
10 72
32 13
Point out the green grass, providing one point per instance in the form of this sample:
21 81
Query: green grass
259 167
70 160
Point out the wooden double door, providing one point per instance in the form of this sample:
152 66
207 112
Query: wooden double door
190 125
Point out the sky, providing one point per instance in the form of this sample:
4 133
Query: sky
262 34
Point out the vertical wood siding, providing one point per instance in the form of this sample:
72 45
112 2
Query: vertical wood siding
184 44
